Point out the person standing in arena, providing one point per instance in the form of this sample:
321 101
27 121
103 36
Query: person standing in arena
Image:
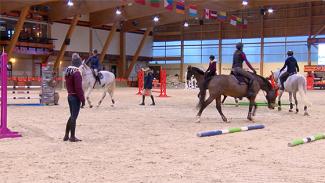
148 78
75 96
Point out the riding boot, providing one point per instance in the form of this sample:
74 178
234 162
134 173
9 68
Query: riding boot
98 79
73 130
153 100
143 97
67 130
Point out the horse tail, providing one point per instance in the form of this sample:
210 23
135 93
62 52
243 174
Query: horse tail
202 95
302 88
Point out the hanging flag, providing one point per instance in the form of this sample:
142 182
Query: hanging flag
180 7
168 4
210 14
222 16
143 2
243 24
235 20
192 11
155 3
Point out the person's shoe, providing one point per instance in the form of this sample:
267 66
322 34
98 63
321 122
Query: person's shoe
141 104
74 139
153 104
65 138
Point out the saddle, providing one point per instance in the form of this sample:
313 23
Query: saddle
242 80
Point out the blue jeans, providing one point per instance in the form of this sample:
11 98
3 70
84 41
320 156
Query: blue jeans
74 105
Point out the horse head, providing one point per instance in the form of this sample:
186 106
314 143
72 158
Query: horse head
271 93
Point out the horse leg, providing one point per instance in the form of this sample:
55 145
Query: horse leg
111 94
218 106
279 100
251 105
224 99
203 106
101 100
296 101
237 103
306 112
290 99
254 109
87 96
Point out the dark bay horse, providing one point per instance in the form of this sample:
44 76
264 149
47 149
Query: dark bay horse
200 81
228 85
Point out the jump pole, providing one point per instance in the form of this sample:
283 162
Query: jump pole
4 131
307 139
229 130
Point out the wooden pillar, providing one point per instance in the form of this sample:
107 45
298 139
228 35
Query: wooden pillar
90 40
262 47
181 71
18 27
137 52
107 43
220 49
67 39
310 32
122 62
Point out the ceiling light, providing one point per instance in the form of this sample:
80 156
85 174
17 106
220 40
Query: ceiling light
70 3
118 11
270 10
156 19
245 2
186 24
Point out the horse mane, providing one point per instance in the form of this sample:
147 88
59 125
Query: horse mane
266 82
198 70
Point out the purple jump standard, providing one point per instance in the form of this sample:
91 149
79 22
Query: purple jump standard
4 131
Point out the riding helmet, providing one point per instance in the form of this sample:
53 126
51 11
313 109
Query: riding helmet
290 53
211 57
239 46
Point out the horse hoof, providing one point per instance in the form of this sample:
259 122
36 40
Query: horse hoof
250 118
90 106
112 105
279 108
290 110
198 120
306 114
225 120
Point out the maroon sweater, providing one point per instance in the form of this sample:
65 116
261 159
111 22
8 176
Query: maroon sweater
73 82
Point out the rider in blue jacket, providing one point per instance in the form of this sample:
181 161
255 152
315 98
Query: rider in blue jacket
292 68
94 64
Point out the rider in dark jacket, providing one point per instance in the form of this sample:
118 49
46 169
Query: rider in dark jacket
94 64
292 68
211 71
148 79
237 67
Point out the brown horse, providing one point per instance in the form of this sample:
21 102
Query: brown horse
200 81
228 85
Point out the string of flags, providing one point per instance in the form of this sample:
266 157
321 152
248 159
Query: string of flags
193 11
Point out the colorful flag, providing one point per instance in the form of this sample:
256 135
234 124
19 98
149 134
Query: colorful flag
235 20
143 2
180 7
243 24
155 3
222 16
168 4
210 14
192 11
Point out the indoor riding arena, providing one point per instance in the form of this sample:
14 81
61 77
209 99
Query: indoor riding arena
162 91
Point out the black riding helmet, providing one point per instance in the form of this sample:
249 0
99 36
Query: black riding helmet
290 53
239 46
211 57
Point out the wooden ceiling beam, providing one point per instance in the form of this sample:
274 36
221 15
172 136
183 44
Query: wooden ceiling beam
128 12
107 43
7 6
60 10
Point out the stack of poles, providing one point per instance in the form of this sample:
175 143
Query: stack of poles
5 132
162 83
